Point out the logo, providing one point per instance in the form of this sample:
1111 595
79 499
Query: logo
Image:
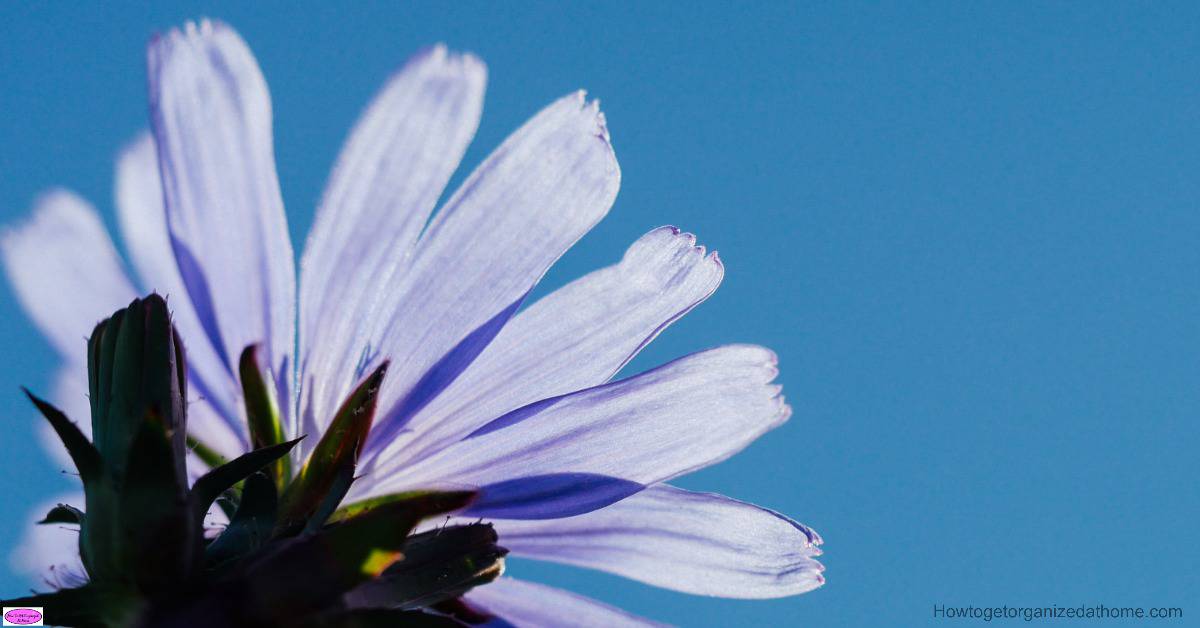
23 616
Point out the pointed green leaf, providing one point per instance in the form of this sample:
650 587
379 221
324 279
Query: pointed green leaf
339 448
251 525
343 478
83 453
98 538
262 412
210 485
63 513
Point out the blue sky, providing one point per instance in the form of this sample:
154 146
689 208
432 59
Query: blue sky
969 231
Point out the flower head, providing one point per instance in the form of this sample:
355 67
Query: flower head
470 387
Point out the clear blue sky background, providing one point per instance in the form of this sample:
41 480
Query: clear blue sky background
970 231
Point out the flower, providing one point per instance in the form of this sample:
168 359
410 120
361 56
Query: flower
480 393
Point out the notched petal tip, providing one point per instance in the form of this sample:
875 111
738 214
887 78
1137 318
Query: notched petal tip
190 31
763 365
205 36
592 119
204 27
678 244
785 410
440 59
686 242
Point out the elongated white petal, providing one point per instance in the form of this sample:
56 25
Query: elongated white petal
65 271
390 174
649 428
496 236
692 542
527 605
574 338
143 220
143 223
211 118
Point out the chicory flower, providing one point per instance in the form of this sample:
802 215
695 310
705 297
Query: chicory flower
479 393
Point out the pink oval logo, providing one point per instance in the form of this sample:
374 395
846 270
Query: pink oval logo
23 616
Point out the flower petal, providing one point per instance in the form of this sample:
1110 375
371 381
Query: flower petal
692 542
65 271
685 415
390 174
550 496
574 338
496 236
527 605
143 223
49 554
143 220
211 117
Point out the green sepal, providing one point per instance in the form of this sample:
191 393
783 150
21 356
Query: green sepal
63 513
336 559
160 539
209 486
338 449
250 526
342 480
82 452
101 348
98 543
438 566
126 408
262 412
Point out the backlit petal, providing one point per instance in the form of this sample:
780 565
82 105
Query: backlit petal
390 174
211 118
692 542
